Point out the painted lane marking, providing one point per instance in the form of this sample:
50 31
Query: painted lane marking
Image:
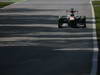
43 38
75 49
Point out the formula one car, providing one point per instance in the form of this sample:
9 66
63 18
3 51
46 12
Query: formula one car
72 20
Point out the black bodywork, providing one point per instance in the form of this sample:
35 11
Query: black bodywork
76 22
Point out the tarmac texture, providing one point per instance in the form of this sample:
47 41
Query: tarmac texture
32 44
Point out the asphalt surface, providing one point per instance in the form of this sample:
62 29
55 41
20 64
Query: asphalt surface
31 43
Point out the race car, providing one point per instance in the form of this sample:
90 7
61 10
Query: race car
72 20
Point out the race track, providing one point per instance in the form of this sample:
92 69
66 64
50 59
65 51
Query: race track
32 44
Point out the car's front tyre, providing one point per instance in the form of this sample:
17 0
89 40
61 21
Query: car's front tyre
59 26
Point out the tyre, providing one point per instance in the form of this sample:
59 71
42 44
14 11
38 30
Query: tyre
59 26
60 21
84 25
84 21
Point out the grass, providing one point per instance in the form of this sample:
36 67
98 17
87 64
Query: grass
3 4
16 0
96 2
96 5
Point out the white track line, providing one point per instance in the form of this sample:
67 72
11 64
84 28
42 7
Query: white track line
95 54
74 49
43 38
49 33
57 33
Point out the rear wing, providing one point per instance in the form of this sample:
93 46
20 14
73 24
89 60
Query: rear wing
75 11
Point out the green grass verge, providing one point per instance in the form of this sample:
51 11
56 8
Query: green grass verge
96 5
96 2
17 0
3 4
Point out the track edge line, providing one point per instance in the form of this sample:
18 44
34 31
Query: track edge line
95 44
